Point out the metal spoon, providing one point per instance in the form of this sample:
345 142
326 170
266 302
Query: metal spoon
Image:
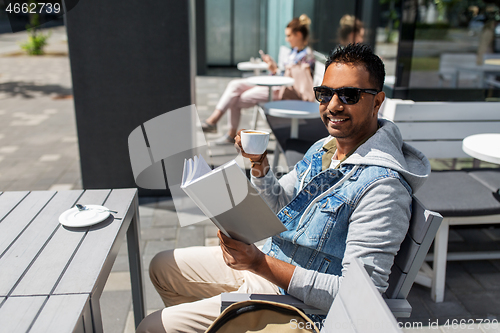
82 207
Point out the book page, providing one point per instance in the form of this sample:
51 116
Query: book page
184 171
187 173
201 168
192 163
197 168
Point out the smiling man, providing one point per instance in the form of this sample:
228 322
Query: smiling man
350 196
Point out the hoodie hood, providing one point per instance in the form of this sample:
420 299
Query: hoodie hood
387 149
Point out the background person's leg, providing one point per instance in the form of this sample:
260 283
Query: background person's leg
230 97
256 95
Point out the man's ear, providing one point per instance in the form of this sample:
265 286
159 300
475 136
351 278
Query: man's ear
377 102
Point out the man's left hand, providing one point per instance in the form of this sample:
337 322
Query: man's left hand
239 255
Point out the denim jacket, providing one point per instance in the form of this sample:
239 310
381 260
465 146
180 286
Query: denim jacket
334 214
317 240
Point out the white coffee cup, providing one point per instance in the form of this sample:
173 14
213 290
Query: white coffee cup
254 141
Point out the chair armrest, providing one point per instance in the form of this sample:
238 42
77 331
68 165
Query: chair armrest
400 308
229 298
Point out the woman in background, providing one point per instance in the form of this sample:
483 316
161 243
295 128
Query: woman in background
239 94
351 30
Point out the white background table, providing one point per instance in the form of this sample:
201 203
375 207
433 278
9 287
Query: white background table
52 276
270 81
256 67
294 110
485 147
480 70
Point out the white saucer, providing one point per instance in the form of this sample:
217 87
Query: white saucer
84 218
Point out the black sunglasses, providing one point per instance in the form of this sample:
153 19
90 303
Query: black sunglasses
346 95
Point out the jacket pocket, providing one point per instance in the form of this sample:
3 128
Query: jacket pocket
323 219
323 266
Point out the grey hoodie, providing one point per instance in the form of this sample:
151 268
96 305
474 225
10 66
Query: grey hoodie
385 205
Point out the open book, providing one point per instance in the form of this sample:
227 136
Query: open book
229 200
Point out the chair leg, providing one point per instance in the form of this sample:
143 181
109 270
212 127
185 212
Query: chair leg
277 152
255 117
439 264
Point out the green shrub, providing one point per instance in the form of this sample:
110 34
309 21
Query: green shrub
36 40
35 44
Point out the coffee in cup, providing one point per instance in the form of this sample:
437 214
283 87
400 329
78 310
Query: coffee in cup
254 142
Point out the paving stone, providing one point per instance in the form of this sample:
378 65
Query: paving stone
146 211
115 306
489 281
166 203
121 263
146 222
153 299
118 281
164 233
211 231
146 259
483 303
8 149
49 157
191 236
61 187
153 247
479 267
450 307
416 299
212 241
472 234
496 263
150 202
459 280
462 325
129 323
454 236
418 326
492 327
165 218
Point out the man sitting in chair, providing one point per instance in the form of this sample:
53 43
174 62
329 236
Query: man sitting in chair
350 196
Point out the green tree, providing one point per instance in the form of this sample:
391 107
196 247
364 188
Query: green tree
393 23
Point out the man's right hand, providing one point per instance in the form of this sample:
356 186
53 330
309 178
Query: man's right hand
257 170
239 147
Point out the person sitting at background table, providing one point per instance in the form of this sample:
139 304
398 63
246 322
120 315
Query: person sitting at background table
239 94
351 30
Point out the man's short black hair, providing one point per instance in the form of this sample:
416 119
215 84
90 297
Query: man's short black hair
356 54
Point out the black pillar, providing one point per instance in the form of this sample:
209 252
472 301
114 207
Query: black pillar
201 47
130 61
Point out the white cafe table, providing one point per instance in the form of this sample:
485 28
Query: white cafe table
485 147
52 276
270 81
256 67
294 110
480 70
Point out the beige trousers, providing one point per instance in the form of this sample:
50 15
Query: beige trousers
190 282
